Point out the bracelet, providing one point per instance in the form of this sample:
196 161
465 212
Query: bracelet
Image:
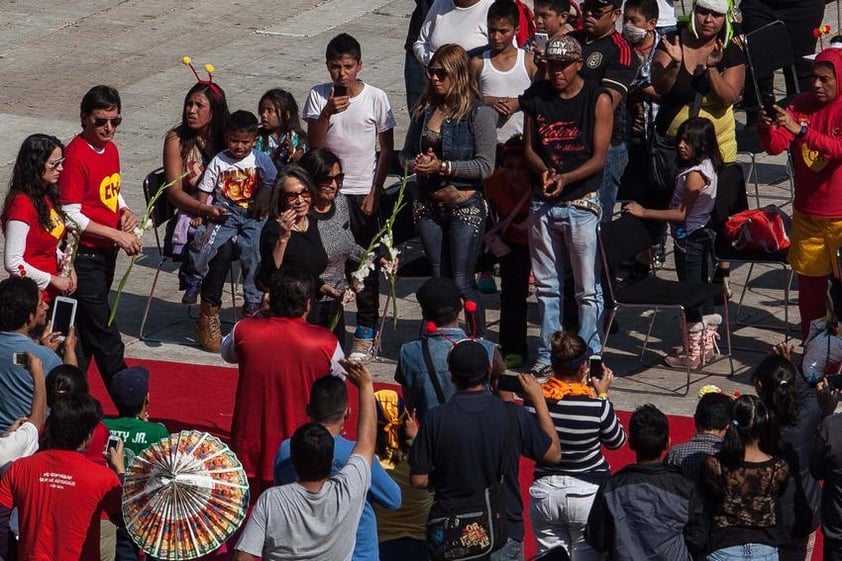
602 395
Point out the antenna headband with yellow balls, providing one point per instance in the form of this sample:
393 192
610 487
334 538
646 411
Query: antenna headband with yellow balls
209 69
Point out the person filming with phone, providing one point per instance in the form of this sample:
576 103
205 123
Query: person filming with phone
577 398
809 127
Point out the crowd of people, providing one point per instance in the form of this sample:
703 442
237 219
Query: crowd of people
524 133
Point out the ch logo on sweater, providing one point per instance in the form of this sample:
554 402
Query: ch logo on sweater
109 190
813 158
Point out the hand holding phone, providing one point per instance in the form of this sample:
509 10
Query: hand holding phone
539 41
340 90
509 383
113 442
596 371
64 315
769 103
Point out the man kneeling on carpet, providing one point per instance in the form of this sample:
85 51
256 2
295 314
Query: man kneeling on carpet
317 516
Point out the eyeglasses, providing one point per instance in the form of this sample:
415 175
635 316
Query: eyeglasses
54 165
705 12
436 72
292 196
339 178
115 122
596 12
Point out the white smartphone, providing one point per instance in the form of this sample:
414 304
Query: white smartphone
20 359
113 442
540 41
64 314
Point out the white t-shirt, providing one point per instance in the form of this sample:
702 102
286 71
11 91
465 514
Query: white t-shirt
237 181
448 23
289 522
699 215
19 443
352 134
511 83
666 13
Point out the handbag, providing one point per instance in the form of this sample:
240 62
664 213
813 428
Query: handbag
663 154
472 528
761 229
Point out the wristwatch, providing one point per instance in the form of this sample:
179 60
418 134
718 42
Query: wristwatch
803 132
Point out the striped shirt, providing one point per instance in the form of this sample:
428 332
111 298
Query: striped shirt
583 425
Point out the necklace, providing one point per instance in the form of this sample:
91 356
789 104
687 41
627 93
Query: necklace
301 226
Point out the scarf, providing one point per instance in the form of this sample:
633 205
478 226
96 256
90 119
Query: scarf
556 390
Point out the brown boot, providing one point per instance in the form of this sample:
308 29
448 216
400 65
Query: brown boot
207 328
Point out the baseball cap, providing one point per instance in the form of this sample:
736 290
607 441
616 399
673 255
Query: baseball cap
563 48
129 387
468 359
439 299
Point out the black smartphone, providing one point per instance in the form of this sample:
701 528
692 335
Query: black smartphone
339 90
509 383
64 314
596 368
769 103
834 381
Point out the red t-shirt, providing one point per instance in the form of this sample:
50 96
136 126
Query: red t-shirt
59 495
279 359
40 250
92 180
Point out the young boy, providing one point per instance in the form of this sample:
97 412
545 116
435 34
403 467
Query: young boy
234 177
504 72
130 391
712 418
550 19
661 514
350 118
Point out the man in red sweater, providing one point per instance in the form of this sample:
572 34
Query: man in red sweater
811 127
89 191
279 358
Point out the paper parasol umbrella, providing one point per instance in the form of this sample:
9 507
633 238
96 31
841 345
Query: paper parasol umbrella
183 496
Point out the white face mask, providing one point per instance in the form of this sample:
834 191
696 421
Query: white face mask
634 34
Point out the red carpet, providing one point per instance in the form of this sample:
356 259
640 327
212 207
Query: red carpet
190 396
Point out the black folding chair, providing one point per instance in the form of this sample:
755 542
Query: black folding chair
622 241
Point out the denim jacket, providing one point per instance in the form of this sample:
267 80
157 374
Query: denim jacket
412 369
457 144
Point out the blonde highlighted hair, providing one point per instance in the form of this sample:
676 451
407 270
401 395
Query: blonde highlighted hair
464 92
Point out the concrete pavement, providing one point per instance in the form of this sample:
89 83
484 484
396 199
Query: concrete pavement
52 51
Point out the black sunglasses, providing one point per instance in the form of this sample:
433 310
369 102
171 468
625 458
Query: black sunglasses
437 72
115 122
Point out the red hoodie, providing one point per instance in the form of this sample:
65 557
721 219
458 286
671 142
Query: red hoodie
817 158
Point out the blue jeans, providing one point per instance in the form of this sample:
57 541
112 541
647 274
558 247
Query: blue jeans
414 78
557 232
210 237
615 165
693 263
512 550
745 552
451 236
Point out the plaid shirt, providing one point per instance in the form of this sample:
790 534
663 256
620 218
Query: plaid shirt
688 457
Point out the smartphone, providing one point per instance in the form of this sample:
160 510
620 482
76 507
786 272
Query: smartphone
339 90
509 383
596 371
540 41
769 103
20 359
834 381
64 314
113 441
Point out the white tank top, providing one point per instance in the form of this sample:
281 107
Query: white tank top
512 83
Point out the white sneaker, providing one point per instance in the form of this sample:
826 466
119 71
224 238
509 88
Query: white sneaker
362 350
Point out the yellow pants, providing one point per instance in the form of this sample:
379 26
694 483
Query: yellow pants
814 245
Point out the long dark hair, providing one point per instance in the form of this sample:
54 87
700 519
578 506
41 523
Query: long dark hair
750 424
700 135
219 119
26 177
284 103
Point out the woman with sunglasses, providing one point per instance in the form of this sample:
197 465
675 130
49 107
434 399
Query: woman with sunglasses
450 146
33 223
329 210
290 238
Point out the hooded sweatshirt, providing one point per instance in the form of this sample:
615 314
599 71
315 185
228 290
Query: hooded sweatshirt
817 157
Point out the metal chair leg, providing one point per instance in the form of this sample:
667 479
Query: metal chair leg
149 303
685 336
648 334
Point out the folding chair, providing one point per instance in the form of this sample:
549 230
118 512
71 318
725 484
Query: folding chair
768 50
161 214
621 241
731 198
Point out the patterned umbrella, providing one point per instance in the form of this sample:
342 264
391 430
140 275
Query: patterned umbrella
184 496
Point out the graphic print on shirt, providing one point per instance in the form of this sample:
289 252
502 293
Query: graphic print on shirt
239 185
56 224
559 137
109 190
56 480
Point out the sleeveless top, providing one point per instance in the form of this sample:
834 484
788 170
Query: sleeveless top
511 83
565 131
